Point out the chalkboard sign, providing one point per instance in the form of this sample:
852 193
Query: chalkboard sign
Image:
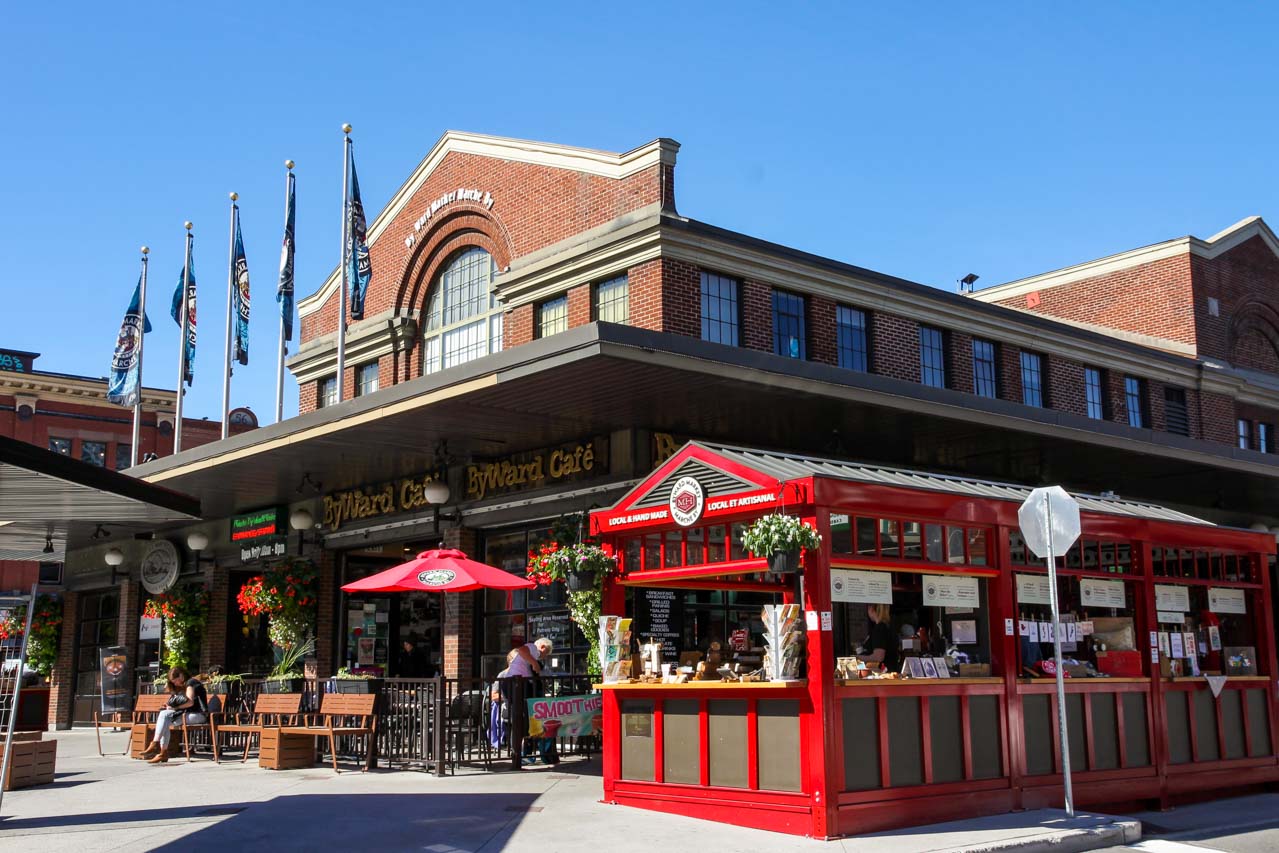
555 626
659 614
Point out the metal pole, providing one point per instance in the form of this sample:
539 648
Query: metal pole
1061 684
134 453
346 249
230 294
284 347
17 692
182 343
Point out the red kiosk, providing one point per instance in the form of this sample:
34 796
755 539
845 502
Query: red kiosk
1167 617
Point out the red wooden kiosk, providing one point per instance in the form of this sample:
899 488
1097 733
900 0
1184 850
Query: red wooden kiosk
831 756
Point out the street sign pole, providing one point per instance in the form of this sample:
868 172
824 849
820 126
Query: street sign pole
1062 728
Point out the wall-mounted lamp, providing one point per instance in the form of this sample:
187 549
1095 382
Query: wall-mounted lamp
48 544
197 542
302 520
114 557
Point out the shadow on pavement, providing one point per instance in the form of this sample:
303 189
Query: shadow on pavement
101 818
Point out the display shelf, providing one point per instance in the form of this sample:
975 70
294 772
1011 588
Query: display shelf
711 685
875 682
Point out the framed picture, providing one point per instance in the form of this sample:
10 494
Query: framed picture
930 668
943 671
915 668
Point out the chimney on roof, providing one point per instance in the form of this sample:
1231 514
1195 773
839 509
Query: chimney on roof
966 283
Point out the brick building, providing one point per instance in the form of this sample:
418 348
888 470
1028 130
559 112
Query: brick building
535 305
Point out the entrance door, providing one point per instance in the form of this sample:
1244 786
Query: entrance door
248 647
98 626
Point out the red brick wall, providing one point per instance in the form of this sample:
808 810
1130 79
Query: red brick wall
325 654
820 326
517 326
62 682
757 315
681 299
1009 372
1217 417
1243 281
894 347
213 647
580 305
1066 386
459 613
959 361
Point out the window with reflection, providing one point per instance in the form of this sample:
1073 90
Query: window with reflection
463 321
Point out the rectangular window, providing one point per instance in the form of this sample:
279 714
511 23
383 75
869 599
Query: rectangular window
94 452
1135 400
552 317
852 338
985 374
1243 430
60 445
932 357
1176 417
1095 393
366 379
1265 437
788 325
326 393
1032 380
123 456
720 311
612 300
464 343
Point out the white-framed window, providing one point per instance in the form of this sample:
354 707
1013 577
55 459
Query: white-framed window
327 393
463 321
366 381
612 300
552 317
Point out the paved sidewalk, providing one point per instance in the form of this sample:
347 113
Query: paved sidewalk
114 803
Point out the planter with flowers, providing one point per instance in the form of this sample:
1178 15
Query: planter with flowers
185 611
780 538
46 628
582 568
287 676
287 595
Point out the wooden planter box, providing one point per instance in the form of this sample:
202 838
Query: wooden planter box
31 763
357 685
278 751
286 685
140 737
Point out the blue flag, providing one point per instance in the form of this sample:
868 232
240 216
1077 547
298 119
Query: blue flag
175 311
126 367
359 266
284 291
240 298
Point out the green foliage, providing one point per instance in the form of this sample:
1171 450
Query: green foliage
776 532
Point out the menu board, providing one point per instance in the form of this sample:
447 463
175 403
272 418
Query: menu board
951 591
1099 593
1222 600
1033 589
659 614
864 587
1168 597
555 626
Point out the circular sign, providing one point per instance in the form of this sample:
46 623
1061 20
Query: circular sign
687 501
159 567
436 577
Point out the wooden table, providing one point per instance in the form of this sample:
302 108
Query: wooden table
281 751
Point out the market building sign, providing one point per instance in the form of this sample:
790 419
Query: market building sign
480 197
253 526
538 468
403 495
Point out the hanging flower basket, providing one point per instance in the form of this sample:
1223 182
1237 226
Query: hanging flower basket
780 538
287 595
582 568
185 611
784 562
580 580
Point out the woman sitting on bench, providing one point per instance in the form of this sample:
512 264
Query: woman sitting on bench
189 701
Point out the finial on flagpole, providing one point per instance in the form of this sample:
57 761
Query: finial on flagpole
346 128
187 225
234 196
288 164
145 250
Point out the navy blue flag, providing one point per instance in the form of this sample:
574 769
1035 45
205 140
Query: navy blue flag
284 291
359 266
126 368
175 311
240 298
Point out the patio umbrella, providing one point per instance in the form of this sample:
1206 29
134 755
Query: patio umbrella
440 570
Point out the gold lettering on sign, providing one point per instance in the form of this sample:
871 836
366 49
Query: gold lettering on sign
664 447
531 470
403 495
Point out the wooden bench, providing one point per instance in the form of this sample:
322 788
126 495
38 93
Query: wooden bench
341 715
271 710
145 709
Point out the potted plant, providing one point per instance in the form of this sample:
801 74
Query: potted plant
185 611
780 538
287 676
224 683
582 567
351 682
46 628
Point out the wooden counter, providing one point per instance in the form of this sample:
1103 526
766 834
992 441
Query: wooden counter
876 682
696 685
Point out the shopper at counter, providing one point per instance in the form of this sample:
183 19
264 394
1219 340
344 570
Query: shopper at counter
880 645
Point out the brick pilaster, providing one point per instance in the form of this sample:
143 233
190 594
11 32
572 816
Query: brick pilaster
62 683
325 653
213 646
459 612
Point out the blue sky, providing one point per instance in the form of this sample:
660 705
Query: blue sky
1001 140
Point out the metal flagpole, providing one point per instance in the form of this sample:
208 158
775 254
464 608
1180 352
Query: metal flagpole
230 294
284 346
182 343
346 250
134 453
17 690
1062 728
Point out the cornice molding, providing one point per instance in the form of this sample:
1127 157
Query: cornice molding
366 341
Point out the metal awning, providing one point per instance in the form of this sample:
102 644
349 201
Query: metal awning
50 503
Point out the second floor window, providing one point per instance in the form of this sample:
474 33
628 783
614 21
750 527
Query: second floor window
788 325
366 379
612 300
1243 429
1094 394
1176 417
552 317
1135 401
852 338
463 320
1032 379
932 357
1265 437
123 456
327 393
94 452
720 312
60 445
985 374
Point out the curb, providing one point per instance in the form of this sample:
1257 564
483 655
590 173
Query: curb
1111 834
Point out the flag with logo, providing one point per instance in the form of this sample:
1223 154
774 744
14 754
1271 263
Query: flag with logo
359 266
175 311
126 381
284 291
239 298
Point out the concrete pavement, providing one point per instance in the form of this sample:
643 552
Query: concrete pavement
114 803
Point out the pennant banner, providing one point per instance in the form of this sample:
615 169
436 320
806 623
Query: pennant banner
240 299
359 266
175 311
126 379
284 291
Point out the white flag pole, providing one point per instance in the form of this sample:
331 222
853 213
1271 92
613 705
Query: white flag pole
230 294
284 346
134 453
182 342
346 249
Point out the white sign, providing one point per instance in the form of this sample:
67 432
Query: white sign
1049 507
861 587
1171 618
1169 597
811 619
1099 593
828 620
159 566
149 629
1177 645
687 501
1008 627
1033 589
1227 600
479 197
964 632
949 591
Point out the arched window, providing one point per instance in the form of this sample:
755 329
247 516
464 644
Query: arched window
462 320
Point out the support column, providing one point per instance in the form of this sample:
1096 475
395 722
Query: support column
62 682
213 644
326 613
132 597
460 612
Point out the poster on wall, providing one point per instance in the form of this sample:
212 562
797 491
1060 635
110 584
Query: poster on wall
948 591
1226 600
1169 597
1033 589
858 587
1099 593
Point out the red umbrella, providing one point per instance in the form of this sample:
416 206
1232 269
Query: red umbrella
441 570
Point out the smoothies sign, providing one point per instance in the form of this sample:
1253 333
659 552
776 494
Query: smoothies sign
566 716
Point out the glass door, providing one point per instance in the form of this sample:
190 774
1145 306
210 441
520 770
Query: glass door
98 626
